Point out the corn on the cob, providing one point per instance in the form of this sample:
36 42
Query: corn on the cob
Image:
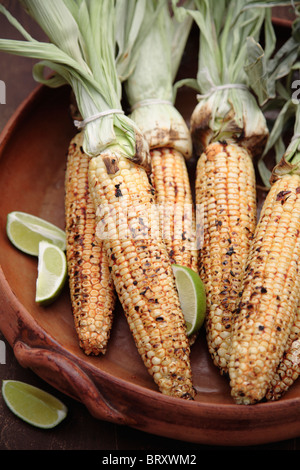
226 199
228 130
151 95
177 218
270 294
91 286
173 195
289 368
141 270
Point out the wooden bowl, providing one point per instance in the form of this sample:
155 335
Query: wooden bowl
116 387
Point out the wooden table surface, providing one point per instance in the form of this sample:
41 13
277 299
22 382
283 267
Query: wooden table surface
79 431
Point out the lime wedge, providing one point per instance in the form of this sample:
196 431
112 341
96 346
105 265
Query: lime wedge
25 231
33 405
191 291
52 273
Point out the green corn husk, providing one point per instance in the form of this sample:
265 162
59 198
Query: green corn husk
150 89
93 46
282 97
227 107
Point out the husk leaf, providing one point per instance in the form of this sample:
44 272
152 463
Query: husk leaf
232 111
150 90
82 52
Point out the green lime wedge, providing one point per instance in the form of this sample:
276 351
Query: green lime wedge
33 405
192 296
52 273
25 231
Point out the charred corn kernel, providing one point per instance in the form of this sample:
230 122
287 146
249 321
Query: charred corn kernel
91 286
226 203
173 196
288 370
269 296
152 309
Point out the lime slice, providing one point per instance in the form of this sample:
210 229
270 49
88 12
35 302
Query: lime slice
52 273
25 231
33 405
192 297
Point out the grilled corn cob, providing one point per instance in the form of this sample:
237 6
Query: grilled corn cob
141 270
226 197
270 294
228 130
91 287
150 92
174 197
289 368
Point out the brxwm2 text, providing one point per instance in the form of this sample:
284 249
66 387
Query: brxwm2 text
150 459
2 92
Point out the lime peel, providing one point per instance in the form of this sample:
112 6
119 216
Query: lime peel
192 296
25 231
52 273
33 405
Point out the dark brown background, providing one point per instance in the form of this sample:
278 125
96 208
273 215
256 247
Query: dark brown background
79 431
